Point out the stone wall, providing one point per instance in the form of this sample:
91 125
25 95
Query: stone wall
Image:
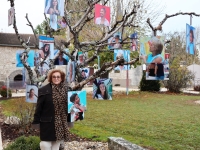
134 77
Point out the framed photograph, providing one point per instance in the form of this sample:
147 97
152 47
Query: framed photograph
102 89
77 104
29 60
102 15
190 39
114 41
46 47
54 7
11 13
126 55
31 93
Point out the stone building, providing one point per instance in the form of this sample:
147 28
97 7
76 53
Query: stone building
9 44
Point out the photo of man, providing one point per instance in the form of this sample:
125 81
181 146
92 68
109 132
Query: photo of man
190 39
60 60
102 15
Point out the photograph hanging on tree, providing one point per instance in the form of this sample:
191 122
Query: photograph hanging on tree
29 60
31 93
102 89
77 104
190 39
102 15
122 54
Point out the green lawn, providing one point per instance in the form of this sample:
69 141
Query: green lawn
152 120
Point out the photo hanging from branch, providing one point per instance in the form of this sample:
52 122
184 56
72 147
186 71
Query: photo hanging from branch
11 13
54 7
31 93
61 58
77 104
102 15
29 60
114 41
190 39
62 23
71 72
46 47
122 54
152 49
134 42
102 89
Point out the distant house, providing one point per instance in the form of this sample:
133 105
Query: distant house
194 68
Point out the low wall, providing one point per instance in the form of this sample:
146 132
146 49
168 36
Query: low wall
118 143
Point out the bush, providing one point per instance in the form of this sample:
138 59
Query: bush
3 92
149 85
25 143
179 77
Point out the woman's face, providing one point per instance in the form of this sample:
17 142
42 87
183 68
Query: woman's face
102 87
55 3
56 78
102 13
77 100
46 48
31 93
151 46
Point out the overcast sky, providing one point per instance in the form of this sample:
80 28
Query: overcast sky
35 9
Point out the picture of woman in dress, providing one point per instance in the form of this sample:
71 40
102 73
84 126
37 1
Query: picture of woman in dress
77 109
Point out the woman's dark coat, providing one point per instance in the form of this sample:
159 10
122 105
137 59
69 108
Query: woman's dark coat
44 114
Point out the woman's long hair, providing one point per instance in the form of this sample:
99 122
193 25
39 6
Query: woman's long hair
105 96
52 4
46 53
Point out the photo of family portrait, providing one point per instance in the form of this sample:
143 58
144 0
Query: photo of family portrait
46 47
102 15
77 104
114 41
152 49
31 93
11 13
102 89
190 39
29 60
122 54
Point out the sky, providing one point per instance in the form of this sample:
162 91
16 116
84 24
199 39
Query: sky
35 9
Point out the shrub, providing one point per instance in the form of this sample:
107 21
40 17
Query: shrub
179 77
3 92
25 143
149 85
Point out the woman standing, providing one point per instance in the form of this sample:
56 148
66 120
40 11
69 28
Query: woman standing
51 112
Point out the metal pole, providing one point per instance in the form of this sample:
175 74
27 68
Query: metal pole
127 75
7 87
